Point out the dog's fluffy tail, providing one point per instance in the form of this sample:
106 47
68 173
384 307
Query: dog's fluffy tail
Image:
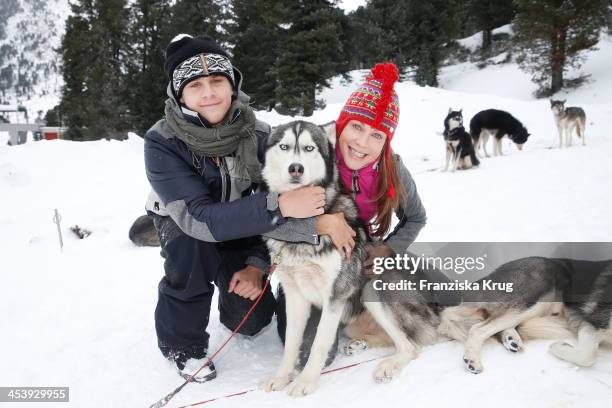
545 327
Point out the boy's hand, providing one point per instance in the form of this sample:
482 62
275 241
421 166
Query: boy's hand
246 282
303 202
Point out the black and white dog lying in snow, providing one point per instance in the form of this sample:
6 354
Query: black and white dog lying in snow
298 154
458 142
496 123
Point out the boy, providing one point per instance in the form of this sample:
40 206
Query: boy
202 162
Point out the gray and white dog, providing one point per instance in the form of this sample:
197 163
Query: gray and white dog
542 288
568 119
298 154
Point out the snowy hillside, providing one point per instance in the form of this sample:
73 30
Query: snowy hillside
29 66
84 318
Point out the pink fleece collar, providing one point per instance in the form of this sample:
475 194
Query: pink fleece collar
367 178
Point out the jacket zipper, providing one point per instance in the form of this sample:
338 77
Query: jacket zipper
224 179
355 182
220 161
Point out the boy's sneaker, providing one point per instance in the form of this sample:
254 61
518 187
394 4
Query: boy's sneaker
187 368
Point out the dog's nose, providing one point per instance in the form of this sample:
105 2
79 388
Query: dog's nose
296 169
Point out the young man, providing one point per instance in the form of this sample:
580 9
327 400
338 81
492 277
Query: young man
202 160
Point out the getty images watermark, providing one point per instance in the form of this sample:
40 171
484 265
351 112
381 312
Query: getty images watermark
459 265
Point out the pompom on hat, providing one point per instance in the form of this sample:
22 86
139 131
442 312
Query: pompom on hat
375 103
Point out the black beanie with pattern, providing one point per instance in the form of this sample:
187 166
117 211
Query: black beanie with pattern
188 58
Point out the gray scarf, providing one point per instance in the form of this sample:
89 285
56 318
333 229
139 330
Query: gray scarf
232 136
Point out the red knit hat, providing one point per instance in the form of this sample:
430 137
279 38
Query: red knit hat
375 103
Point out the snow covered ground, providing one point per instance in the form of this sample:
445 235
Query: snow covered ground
83 317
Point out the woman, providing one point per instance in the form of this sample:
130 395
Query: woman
378 180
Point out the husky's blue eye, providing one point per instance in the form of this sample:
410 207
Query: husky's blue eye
283 146
309 148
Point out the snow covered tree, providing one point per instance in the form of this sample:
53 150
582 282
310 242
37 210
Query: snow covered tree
410 33
256 36
430 25
149 35
379 32
93 99
487 15
552 36
200 17
311 51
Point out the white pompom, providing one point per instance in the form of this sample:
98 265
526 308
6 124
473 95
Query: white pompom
180 37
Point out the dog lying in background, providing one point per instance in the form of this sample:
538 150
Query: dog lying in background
568 119
542 289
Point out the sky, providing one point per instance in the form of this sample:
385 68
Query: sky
350 5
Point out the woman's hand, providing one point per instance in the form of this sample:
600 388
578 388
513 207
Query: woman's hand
374 250
339 231
303 202
246 282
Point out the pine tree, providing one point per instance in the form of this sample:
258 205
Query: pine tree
93 49
488 15
311 51
410 33
149 35
256 35
553 34
430 25
200 17
379 33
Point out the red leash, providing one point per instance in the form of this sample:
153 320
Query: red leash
162 402
235 394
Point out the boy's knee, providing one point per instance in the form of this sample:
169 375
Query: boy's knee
233 310
250 327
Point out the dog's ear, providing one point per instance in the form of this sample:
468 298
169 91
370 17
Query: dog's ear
551 102
461 110
449 111
563 101
330 132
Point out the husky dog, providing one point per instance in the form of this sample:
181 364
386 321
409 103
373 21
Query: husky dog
459 145
297 154
568 119
581 290
496 123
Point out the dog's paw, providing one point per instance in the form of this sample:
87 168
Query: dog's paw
568 352
386 370
302 386
512 340
561 350
355 346
472 365
275 383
